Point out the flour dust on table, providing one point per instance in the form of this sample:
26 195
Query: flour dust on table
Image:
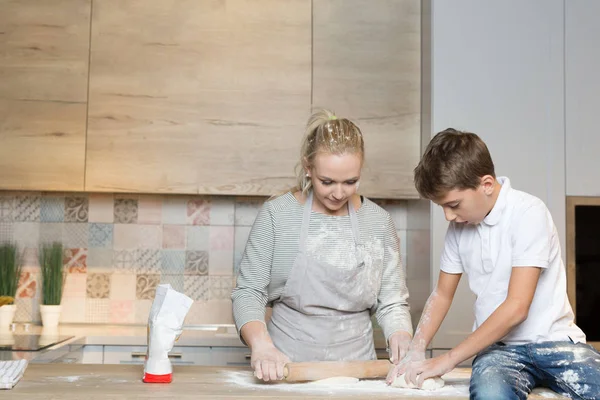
331 386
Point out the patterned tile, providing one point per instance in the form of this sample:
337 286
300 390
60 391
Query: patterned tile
121 312
75 235
98 286
196 263
6 231
220 287
197 287
221 238
142 311
28 285
74 311
150 209
150 236
145 287
173 237
122 286
27 208
220 262
174 210
75 286
222 210
24 312
125 261
126 236
126 211
52 209
6 208
176 281
76 209
51 232
96 311
198 238
100 235
246 211
198 211
240 237
99 259
75 260
172 262
101 208
148 261
30 258
26 234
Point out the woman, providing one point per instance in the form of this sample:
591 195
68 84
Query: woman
326 259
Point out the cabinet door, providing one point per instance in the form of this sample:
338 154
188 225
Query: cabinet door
230 356
44 52
197 96
367 67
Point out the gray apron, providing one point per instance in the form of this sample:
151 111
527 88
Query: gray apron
323 312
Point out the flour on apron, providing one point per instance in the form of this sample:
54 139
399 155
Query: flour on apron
323 313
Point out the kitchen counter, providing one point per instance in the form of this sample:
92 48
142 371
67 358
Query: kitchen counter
105 382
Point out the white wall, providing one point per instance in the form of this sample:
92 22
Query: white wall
582 66
498 71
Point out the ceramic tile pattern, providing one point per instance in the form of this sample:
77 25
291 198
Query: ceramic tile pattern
119 247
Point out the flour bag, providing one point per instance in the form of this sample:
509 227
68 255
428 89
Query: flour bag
165 324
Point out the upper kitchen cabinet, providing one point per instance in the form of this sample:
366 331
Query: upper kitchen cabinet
194 96
367 67
44 52
582 102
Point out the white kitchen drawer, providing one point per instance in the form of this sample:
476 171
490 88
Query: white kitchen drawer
230 356
181 355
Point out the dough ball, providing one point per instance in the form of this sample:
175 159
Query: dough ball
429 383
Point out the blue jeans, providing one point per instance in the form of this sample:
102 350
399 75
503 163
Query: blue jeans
512 371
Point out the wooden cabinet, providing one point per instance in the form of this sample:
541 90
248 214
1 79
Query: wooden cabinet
202 97
367 67
44 51
197 96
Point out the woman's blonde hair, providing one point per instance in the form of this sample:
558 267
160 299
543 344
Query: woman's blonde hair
325 132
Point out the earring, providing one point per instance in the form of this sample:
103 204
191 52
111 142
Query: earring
307 175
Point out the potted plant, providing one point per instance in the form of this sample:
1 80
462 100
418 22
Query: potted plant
10 272
53 279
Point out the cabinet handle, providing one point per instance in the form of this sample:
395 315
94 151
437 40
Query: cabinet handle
143 354
247 356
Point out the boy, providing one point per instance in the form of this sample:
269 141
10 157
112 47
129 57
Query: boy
506 243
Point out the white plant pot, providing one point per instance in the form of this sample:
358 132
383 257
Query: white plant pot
50 315
7 314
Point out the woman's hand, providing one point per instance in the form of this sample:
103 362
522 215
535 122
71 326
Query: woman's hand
398 343
268 362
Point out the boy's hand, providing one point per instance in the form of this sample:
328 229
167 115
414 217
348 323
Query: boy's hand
417 372
398 345
413 356
268 362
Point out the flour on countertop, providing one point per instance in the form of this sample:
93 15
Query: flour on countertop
245 379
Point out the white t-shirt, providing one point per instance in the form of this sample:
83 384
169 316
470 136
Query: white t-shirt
518 232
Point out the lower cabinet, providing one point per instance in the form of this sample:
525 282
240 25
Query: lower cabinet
181 355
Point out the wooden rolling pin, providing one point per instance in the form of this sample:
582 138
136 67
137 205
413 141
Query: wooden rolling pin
312 371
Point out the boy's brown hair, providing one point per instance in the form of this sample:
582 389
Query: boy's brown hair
452 160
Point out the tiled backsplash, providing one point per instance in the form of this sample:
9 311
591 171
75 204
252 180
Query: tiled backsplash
118 247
